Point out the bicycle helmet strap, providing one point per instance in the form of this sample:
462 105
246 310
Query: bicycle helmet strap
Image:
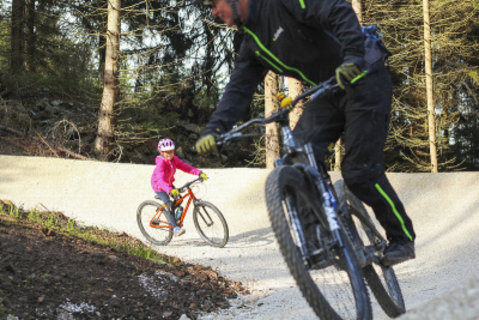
235 12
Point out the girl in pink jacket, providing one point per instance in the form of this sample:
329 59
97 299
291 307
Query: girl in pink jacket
164 176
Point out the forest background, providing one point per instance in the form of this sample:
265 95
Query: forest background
72 86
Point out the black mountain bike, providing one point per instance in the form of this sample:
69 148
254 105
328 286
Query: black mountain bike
324 232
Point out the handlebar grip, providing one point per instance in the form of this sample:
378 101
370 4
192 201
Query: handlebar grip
287 103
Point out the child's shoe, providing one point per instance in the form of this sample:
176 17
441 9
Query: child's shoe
177 231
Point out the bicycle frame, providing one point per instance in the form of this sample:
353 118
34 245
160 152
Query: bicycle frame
320 179
191 198
302 200
303 158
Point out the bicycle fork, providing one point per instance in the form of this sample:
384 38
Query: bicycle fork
297 228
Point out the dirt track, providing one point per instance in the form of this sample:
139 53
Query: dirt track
444 209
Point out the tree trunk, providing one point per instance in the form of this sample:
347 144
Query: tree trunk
105 136
16 54
29 37
295 89
101 59
430 98
272 136
358 9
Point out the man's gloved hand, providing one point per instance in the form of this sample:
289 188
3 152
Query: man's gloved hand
350 72
203 176
174 193
206 144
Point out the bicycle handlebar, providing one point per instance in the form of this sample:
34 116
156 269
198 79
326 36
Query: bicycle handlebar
187 185
315 92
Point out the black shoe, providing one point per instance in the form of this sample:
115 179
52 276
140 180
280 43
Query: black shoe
398 252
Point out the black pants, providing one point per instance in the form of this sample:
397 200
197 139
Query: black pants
361 115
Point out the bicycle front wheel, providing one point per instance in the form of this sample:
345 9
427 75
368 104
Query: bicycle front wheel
210 224
382 280
153 222
334 288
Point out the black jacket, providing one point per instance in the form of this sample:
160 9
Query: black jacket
303 39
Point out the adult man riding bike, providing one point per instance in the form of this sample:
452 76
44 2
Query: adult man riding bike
311 40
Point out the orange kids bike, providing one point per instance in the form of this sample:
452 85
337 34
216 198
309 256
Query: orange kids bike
208 219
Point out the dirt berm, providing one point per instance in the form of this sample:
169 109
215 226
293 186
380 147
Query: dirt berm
441 283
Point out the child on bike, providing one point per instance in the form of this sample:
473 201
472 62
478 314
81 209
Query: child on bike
164 176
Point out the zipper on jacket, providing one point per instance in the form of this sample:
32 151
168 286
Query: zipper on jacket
171 175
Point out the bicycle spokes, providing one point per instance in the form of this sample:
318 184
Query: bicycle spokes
210 224
157 231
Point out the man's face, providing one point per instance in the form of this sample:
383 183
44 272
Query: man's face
222 10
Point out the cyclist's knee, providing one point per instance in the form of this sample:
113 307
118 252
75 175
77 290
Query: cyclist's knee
361 174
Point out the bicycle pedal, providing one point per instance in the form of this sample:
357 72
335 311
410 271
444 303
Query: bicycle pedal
363 259
318 259
317 252
371 255
320 264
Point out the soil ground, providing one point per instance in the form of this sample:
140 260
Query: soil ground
47 274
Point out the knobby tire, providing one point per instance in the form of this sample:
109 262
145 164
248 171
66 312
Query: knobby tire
288 180
382 280
207 216
144 214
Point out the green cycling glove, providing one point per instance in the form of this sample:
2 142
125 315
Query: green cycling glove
350 72
206 144
174 193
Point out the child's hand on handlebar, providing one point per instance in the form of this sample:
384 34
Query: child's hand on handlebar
174 193
203 176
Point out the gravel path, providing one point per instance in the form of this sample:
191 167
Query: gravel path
442 282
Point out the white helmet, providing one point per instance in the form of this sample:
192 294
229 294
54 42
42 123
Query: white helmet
166 145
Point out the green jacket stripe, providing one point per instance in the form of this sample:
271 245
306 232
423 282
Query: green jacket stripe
301 3
269 53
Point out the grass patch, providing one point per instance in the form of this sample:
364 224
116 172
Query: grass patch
57 222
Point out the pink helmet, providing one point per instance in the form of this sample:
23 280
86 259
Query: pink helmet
166 145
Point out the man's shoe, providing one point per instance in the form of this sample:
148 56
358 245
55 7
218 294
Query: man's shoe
177 231
398 252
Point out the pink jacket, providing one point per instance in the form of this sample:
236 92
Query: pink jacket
164 173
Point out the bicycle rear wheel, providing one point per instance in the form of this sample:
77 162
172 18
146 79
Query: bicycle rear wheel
210 224
382 280
334 288
159 234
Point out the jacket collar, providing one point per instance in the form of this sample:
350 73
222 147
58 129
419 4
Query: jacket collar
166 160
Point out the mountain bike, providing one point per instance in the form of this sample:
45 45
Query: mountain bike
209 221
324 233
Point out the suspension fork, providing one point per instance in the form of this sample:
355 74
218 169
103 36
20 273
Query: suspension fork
328 198
325 188
297 229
